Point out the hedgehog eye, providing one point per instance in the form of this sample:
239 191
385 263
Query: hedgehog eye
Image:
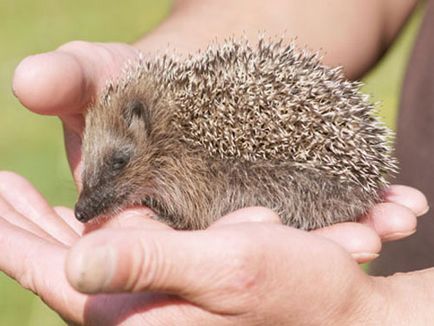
119 161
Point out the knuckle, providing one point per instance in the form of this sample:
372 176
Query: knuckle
262 210
150 267
265 214
27 278
245 266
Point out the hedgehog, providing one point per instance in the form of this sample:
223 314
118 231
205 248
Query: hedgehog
233 126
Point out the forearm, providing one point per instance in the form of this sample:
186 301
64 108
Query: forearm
350 33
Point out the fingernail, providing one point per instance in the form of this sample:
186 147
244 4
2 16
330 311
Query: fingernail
363 257
406 202
94 270
397 235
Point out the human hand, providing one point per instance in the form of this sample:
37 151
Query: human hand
236 272
88 66
66 81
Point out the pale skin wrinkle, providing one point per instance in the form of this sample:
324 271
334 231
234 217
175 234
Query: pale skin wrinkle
209 292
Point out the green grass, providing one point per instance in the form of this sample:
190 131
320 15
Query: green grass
32 145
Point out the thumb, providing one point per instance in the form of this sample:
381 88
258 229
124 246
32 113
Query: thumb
198 266
65 81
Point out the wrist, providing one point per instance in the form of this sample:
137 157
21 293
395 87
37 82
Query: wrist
366 304
408 297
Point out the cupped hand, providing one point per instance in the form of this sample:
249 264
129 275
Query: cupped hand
66 81
245 269
206 272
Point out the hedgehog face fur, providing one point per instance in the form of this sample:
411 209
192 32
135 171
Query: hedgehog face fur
133 155
232 127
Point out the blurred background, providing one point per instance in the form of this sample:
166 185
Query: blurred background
32 145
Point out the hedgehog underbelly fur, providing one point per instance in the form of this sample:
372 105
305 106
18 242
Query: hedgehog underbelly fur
237 126
305 198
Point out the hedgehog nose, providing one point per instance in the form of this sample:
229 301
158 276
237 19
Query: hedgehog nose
80 214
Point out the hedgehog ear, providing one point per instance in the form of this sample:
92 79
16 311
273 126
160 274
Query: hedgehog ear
138 116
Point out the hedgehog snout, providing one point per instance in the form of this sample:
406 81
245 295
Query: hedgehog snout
85 209
81 213
92 203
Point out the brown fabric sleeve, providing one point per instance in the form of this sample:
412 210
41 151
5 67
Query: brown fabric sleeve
415 151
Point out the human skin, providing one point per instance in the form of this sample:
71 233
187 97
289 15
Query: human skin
351 34
246 269
212 295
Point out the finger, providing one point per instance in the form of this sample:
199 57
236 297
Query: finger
249 214
72 141
409 197
37 265
148 309
100 255
9 214
28 202
64 82
177 262
49 82
68 217
391 221
359 240
136 218
220 270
